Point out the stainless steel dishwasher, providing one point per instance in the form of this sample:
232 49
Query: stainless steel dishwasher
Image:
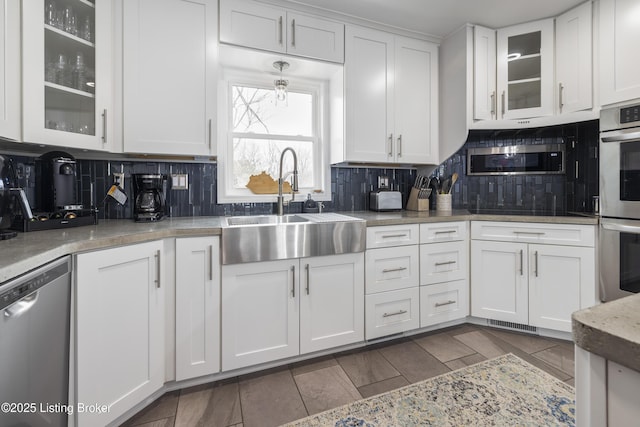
34 346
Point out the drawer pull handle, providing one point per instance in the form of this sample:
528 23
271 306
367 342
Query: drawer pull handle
440 304
445 231
389 270
387 236
535 233
445 263
394 314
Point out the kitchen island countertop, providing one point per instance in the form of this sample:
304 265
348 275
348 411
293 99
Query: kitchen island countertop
30 250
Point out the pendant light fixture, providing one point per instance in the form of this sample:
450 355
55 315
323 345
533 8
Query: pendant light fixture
281 84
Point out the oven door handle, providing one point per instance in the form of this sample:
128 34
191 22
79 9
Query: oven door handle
622 136
623 228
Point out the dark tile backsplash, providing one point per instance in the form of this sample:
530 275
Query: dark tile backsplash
572 191
350 186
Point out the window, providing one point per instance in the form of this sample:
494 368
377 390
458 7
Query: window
257 129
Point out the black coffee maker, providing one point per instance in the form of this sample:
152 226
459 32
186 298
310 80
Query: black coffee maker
7 199
149 203
56 182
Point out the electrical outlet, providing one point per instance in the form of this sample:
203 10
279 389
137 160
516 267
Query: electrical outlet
118 178
179 181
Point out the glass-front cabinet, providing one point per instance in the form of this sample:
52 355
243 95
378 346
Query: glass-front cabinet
525 70
67 80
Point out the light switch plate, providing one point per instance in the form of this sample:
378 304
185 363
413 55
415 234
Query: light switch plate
179 181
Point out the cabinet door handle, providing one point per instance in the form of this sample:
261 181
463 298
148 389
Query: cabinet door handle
210 132
445 263
396 313
560 101
104 126
440 304
158 268
493 103
389 270
280 32
386 236
503 107
293 33
400 146
306 267
390 146
293 277
536 262
211 262
521 262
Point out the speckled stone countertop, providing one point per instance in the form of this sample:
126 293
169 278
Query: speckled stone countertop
611 330
30 250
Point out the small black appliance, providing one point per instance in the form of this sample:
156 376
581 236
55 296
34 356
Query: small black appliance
7 199
149 199
56 182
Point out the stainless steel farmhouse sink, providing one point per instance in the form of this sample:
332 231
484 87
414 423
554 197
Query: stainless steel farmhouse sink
272 237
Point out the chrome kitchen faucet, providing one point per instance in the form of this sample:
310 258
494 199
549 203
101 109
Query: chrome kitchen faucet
294 181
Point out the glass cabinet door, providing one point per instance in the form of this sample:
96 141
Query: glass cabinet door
66 90
525 69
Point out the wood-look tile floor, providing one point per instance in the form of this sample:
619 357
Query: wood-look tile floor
291 392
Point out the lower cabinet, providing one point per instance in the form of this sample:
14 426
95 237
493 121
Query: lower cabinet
119 329
443 302
392 312
197 307
277 309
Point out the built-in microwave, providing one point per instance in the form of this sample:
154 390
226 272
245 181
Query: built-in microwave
517 160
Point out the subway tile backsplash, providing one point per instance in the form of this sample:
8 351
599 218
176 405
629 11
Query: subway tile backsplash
350 186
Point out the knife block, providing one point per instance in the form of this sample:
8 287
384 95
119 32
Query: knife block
415 204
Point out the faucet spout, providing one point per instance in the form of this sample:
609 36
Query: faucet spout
294 180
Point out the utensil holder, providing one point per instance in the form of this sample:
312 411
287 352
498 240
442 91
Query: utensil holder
443 202
416 204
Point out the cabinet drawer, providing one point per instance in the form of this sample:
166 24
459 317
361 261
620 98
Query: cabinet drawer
392 312
443 302
553 234
388 269
443 262
392 235
444 231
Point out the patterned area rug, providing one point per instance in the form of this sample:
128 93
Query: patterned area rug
505 391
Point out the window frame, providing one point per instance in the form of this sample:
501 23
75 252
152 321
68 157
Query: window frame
319 89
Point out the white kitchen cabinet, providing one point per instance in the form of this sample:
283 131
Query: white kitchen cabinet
119 326
392 312
561 281
444 262
525 70
392 268
277 309
386 236
499 285
261 26
10 67
197 307
484 73
331 301
67 76
619 61
574 67
260 312
443 302
623 400
532 274
169 76
391 98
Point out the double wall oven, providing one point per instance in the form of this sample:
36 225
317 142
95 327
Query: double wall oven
620 201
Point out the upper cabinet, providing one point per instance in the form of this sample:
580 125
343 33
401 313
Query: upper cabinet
525 70
169 76
619 34
67 73
251 24
574 83
391 95
10 69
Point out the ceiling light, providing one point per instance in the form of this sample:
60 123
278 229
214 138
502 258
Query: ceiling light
281 84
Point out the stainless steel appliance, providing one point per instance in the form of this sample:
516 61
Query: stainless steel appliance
385 200
149 203
516 160
620 201
34 334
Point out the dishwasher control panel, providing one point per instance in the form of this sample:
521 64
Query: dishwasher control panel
20 287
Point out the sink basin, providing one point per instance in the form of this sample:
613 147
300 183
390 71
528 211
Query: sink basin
272 237
263 220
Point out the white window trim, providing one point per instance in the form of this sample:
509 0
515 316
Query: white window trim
322 166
